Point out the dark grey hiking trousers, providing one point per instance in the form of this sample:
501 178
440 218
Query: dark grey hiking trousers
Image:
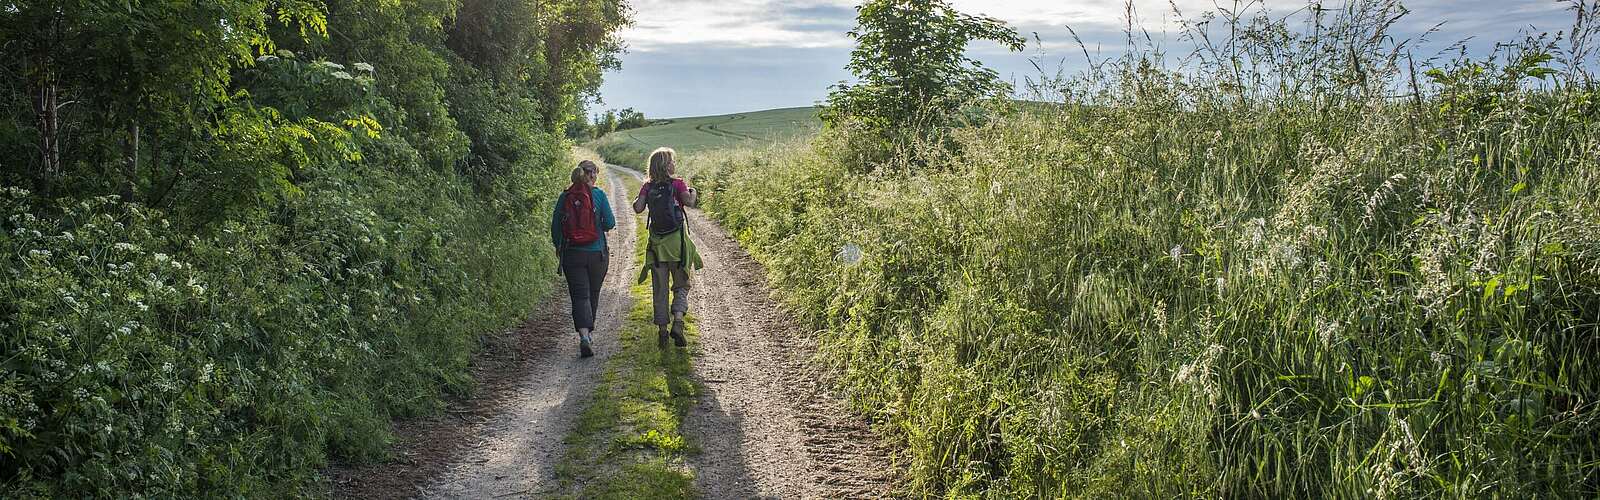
585 271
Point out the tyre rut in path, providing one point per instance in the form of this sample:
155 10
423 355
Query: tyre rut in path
506 441
766 424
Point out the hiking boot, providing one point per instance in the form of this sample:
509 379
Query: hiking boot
584 349
661 336
677 333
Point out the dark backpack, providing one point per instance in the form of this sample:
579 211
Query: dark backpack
577 217
666 215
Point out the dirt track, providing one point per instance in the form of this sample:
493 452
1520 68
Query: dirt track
765 425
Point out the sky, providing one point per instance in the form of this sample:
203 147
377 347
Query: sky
707 57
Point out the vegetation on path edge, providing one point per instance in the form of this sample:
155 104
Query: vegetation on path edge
1257 275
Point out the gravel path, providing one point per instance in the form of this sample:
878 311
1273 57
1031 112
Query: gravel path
766 425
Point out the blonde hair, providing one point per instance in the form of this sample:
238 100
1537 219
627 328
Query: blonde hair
580 176
660 161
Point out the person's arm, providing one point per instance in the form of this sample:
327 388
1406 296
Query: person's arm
555 222
608 220
638 201
687 196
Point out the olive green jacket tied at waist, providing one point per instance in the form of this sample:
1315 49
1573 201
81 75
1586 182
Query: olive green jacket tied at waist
670 247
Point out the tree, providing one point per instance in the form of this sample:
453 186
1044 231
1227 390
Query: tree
578 129
605 124
580 42
144 69
910 59
558 50
630 119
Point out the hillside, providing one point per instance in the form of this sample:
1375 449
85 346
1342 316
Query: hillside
708 133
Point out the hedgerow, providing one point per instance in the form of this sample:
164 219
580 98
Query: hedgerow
252 247
1260 275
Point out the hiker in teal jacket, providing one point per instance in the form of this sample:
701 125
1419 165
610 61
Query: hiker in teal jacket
585 264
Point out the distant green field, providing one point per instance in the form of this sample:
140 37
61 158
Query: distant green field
708 133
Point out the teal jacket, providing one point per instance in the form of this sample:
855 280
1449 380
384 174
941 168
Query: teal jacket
604 221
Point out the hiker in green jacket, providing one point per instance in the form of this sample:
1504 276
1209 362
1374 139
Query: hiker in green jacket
669 255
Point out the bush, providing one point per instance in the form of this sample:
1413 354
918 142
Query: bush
298 277
146 360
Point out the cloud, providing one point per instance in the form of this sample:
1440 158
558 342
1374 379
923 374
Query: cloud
696 57
664 24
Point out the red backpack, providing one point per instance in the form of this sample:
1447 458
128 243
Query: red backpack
577 217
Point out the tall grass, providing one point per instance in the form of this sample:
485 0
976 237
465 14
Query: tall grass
1276 270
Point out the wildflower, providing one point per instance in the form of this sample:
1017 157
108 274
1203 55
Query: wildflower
1256 230
125 247
1378 197
1176 252
166 367
39 254
1321 272
205 373
1312 234
342 75
330 65
1185 373
68 237
363 67
849 254
81 394
1326 329
162 258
